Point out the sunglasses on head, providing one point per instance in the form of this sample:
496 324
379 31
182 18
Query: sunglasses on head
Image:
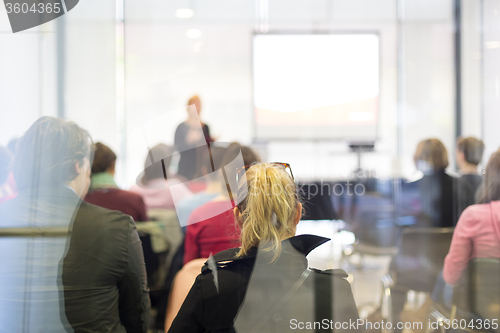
286 166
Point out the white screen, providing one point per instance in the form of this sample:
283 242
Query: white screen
316 86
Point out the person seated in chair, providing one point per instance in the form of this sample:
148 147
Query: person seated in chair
105 193
266 285
76 267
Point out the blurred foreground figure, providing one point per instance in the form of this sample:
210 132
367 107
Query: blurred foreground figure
69 265
266 286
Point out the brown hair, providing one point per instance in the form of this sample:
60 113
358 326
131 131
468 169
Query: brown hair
215 155
472 148
268 207
232 151
104 158
432 151
46 153
490 188
153 169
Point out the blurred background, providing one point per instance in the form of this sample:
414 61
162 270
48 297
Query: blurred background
125 69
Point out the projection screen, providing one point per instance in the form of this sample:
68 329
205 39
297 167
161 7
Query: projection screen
320 86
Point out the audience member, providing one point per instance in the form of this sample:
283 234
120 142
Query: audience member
7 189
153 187
213 189
211 227
184 209
469 154
431 198
265 284
189 135
105 193
91 280
477 234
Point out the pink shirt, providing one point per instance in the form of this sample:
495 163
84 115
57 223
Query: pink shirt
156 194
477 235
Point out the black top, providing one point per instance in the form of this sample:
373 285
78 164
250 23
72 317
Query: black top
91 280
248 291
431 200
467 186
188 152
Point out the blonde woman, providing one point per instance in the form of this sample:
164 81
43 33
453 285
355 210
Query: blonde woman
265 284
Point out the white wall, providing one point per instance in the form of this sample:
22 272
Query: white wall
163 68
491 76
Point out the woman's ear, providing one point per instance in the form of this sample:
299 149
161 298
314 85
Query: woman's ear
237 217
298 213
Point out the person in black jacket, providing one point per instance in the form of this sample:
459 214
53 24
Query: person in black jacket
72 266
432 198
266 285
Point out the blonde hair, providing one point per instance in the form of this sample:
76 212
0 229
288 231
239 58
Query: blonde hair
432 151
268 202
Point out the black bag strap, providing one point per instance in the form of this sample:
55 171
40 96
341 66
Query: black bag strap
323 296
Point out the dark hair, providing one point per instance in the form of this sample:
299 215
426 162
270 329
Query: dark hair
104 158
215 156
232 151
153 169
472 148
490 188
47 152
5 164
432 151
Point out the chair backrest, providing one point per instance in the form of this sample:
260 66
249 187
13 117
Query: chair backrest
30 279
376 226
420 258
478 291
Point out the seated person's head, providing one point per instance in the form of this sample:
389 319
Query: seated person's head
469 151
53 152
215 156
490 189
153 167
232 151
104 159
5 164
269 208
431 156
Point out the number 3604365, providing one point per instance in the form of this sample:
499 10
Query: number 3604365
39 8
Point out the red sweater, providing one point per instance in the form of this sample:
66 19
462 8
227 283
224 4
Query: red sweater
115 199
477 235
211 229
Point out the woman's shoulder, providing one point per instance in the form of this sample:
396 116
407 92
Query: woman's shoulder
222 259
477 210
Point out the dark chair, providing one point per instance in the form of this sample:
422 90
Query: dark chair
420 259
477 295
318 203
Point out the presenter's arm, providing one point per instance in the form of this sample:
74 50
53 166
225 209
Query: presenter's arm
134 293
